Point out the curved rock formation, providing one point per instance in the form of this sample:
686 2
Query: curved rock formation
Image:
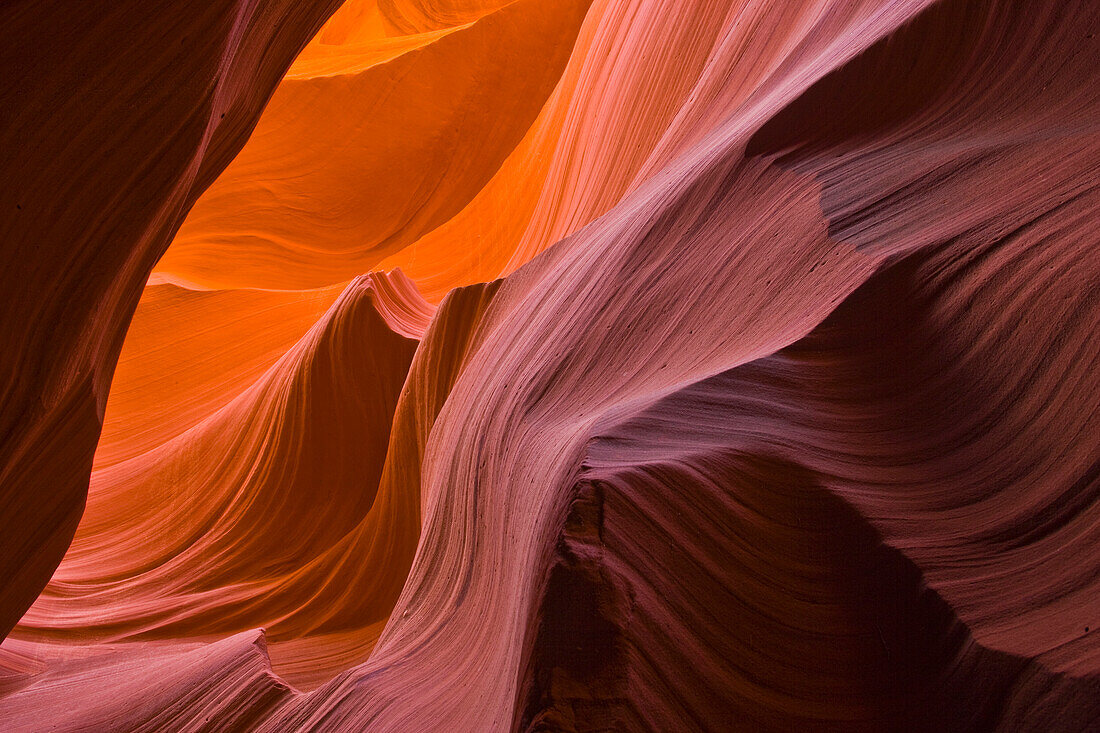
646 568
367 145
784 414
189 352
226 685
226 526
116 119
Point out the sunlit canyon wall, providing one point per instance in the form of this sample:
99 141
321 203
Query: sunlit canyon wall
586 365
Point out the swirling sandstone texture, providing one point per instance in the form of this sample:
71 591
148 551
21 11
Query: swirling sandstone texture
116 117
560 365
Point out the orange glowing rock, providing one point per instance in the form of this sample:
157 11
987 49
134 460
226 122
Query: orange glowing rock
570 365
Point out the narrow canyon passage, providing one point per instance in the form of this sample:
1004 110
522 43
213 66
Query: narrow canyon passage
434 365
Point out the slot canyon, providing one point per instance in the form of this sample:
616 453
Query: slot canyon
549 365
